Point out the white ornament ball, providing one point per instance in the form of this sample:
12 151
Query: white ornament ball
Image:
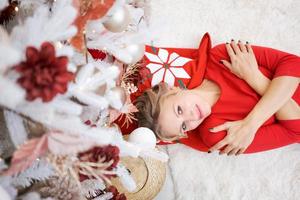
136 51
118 21
143 137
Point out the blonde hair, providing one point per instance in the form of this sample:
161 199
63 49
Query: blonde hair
149 104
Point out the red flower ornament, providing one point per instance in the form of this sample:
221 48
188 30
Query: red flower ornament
42 74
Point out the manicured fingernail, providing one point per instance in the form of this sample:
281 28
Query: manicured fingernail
247 42
210 129
227 43
209 152
239 41
221 61
232 40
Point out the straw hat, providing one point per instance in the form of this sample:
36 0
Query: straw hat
148 173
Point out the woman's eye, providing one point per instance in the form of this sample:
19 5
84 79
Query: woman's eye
179 110
183 126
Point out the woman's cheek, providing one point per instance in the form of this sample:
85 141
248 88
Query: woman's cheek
194 125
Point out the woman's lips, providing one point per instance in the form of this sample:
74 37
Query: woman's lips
199 112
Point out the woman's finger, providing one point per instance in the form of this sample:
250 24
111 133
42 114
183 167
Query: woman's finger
227 149
240 151
218 145
230 51
233 151
221 127
227 64
242 47
235 47
249 48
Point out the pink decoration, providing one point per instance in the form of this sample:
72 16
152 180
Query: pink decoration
24 156
64 144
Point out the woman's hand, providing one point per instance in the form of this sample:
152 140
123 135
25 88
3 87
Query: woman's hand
243 62
240 135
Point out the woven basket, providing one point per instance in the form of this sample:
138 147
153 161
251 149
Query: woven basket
149 175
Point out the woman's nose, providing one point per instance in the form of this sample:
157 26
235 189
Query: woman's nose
191 116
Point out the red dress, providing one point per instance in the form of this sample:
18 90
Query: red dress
237 99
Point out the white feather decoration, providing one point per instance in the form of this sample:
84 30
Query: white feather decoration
69 124
91 99
8 55
88 80
72 67
11 94
2 165
125 178
16 127
63 50
114 43
105 135
114 99
37 110
47 112
46 26
4 194
89 186
101 65
89 113
102 77
84 73
40 170
6 185
66 106
66 144
128 149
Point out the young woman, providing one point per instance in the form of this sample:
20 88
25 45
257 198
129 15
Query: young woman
247 101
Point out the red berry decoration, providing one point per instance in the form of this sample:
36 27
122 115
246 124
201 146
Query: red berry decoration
42 74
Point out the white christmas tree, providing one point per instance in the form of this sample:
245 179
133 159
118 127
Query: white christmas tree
47 76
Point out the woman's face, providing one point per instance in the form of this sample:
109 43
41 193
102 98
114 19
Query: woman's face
181 111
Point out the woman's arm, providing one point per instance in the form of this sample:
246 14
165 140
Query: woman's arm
240 134
276 98
244 65
286 70
290 110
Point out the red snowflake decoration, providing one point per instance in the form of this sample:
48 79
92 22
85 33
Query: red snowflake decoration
43 74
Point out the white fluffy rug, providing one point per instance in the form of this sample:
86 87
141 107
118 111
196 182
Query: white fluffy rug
194 175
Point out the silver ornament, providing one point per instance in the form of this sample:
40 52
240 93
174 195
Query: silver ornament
118 21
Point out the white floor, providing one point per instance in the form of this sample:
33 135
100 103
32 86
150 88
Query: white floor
194 175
